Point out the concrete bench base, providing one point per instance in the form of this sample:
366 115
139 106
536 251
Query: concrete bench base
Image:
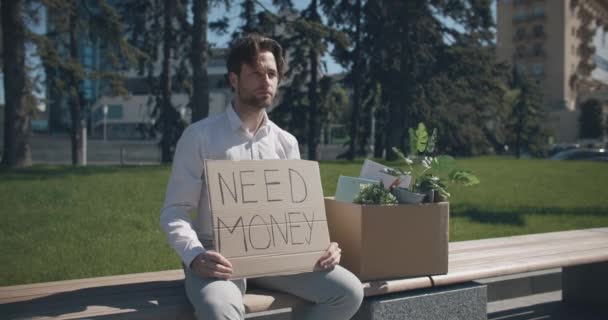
459 302
586 285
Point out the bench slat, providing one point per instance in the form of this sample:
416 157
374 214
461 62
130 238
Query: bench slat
160 295
520 251
497 243
24 292
520 266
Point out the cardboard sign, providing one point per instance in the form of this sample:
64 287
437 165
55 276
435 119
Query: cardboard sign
268 215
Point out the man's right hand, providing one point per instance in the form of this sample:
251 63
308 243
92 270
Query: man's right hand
212 264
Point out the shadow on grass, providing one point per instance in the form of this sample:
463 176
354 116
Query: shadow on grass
515 216
39 172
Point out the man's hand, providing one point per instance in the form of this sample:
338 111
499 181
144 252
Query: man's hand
212 264
330 258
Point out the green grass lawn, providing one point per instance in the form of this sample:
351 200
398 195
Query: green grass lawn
65 223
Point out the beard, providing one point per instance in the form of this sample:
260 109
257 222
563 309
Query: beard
254 100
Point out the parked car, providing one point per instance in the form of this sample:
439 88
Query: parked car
557 148
582 154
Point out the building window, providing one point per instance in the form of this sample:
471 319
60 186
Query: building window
521 15
537 69
520 33
600 62
539 30
537 50
520 52
539 12
115 111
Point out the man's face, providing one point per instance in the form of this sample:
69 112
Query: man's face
256 86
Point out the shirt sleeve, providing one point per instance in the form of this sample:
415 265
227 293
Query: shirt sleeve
182 197
292 149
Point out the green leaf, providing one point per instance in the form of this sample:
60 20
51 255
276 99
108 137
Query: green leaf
374 194
464 177
400 154
430 148
443 163
412 137
422 137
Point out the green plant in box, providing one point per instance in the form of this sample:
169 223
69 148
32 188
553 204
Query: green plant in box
429 174
374 194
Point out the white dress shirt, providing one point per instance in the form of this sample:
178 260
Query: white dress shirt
219 137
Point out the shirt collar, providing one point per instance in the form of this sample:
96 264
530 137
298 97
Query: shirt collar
236 122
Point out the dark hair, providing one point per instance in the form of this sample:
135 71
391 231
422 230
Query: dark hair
247 49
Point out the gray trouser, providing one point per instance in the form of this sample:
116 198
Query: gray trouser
336 294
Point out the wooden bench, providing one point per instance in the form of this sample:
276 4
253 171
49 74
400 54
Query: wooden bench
160 295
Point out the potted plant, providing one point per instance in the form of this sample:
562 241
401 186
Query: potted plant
429 173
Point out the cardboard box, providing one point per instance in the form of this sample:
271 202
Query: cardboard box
268 215
382 242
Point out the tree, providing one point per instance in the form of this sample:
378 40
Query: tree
198 60
313 96
18 107
348 16
78 23
527 133
161 30
410 52
307 39
170 122
407 38
590 120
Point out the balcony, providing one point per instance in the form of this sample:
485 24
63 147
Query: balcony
519 37
528 17
526 2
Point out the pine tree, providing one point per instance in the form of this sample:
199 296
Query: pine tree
427 69
59 51
347 14
18 104
528 133
198 60
164 27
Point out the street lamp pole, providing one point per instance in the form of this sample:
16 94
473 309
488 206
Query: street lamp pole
105 122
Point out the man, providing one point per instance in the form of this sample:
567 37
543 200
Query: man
243 131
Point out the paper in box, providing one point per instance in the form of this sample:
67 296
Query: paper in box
348 187
375 171
390 241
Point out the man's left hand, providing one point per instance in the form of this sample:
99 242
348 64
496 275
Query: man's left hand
330 258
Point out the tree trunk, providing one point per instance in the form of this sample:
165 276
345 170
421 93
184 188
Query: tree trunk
17 151
518 136
75 95
313 96
249 16
354 125
165 84
199 58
